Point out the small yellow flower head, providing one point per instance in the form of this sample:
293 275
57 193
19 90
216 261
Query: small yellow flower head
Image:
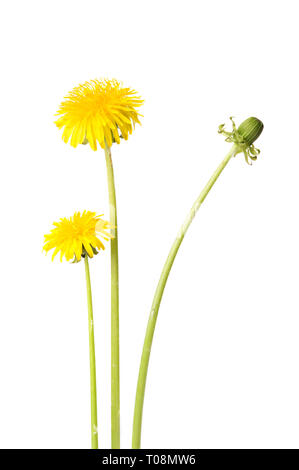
244 136
98 111
77 236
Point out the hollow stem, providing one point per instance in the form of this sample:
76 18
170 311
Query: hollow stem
115 389
92 362
139 400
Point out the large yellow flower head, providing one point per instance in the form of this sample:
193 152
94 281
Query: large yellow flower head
77 236
98 111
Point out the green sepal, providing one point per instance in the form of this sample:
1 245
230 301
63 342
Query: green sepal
84 253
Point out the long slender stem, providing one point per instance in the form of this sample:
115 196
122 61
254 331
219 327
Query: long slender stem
139 400
115 393
92 362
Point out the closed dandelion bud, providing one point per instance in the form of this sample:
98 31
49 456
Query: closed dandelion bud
250 130
244 136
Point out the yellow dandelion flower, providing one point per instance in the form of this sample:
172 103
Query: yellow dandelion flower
78 235
98 111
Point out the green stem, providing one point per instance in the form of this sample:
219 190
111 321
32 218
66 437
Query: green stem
92 362
139 400
115 394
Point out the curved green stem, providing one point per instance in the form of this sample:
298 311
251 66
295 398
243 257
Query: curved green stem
115 394
139 400
92 362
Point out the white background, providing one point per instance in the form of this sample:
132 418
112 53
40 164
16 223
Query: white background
224 364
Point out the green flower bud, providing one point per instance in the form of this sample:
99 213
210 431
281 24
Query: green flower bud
244 136
250 130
